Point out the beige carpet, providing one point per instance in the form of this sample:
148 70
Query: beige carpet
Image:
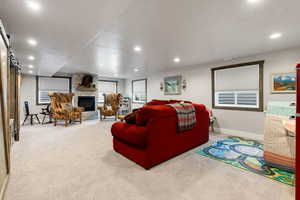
78 163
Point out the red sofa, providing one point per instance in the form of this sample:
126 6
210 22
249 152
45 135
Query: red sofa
154 138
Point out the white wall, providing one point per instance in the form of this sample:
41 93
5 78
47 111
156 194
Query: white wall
199 89
28 93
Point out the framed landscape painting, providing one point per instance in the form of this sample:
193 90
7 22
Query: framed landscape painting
283 83
172 85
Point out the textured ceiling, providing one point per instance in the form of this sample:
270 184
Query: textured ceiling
98 36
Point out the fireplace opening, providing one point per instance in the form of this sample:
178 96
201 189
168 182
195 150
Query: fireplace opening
87 102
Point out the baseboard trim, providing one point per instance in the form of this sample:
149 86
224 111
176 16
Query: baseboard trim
249 135
3 189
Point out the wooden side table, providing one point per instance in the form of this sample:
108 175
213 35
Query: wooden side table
121 117
212 122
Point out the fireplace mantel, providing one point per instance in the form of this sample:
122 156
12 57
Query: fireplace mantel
76 80
85 89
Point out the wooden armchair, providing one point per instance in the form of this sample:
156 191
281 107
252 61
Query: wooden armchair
111 105
62 108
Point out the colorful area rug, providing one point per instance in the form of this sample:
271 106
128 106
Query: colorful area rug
246 154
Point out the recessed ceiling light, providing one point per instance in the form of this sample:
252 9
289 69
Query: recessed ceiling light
31 66
31 58
33 5
101 65
32 42
275 36
253 1
30 71
177 60
136 69
137 49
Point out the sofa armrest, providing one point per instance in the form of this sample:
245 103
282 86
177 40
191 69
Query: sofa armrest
119 127
130 133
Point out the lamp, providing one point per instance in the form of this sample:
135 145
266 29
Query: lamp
184 84
161 86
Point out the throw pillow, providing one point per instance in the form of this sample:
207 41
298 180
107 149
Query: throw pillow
67 106
131 117
178 101
157 102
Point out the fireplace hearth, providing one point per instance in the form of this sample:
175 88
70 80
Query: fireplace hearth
87 102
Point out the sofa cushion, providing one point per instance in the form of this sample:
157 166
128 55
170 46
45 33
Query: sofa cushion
150 112
178 101
157 102
147 113
163 102
131 134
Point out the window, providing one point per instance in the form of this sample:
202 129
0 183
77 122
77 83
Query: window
106 87
139 91
51 84
238 99
238 87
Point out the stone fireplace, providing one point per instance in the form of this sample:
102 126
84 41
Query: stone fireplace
87 102
85 98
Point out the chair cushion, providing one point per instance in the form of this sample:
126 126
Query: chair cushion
131 134
67 106
108 112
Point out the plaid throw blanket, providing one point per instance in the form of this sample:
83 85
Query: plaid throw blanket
186 116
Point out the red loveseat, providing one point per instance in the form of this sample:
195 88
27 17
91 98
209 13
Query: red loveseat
154 138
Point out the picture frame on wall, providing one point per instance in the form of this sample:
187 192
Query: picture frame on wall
283 83
172 85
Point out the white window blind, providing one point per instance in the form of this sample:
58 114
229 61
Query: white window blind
139 91
248 99
51 84
106 87
237 87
